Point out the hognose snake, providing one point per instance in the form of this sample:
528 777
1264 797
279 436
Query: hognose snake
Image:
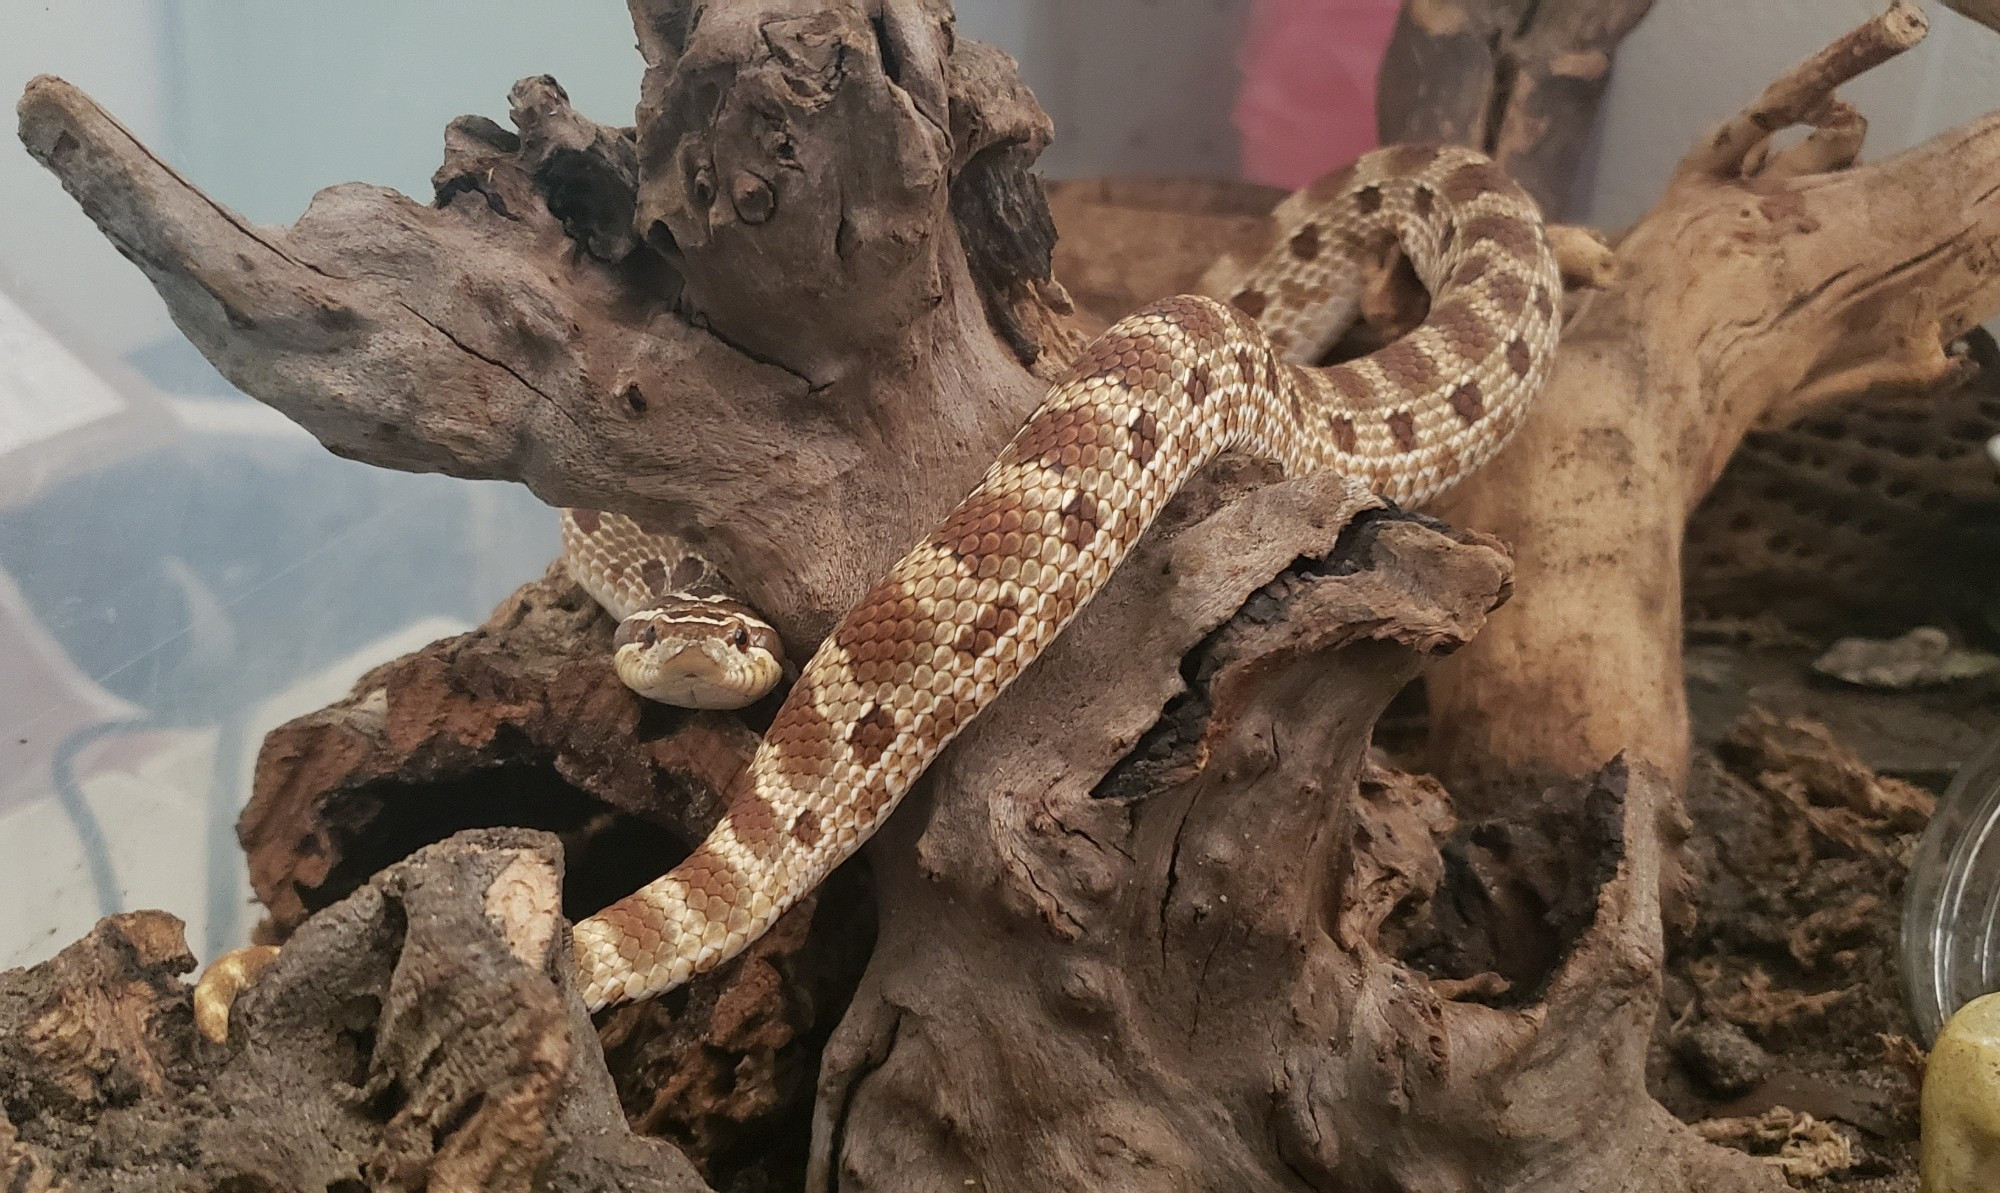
1152 400
683 637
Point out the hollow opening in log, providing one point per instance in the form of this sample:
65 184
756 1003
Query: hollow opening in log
1517 895
610 853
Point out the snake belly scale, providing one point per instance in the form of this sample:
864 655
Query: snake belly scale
1152 400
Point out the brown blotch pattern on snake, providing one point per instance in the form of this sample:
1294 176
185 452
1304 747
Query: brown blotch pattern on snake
1467 404
1412 159
1520 241
1461 326
871 734
1403 428
1520 358
1079 524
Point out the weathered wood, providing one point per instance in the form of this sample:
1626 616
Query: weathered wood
1156 920
522 722
1243 956
811 305
1519 81
1750 294
412 1036
1644 407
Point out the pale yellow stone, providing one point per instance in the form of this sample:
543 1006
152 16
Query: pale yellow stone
222 981
1961 1109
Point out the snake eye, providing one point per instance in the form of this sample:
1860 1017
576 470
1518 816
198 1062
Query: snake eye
739 637
649 635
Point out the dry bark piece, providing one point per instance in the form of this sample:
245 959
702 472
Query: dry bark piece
100 1024
522 721
409 1037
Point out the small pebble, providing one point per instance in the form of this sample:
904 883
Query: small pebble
1924 657
1960 1146
1717 1054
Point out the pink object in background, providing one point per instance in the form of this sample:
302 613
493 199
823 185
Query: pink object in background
1307 104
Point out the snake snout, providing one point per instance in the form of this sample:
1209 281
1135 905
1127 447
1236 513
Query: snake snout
695 671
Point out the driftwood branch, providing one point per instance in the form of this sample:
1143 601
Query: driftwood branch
764 372
1519 82
1169 896
1745 300
410 1037
1839 281
1157 918
1091 911
1804 95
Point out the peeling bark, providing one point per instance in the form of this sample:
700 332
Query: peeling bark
523 722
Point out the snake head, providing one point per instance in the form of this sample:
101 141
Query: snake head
698 653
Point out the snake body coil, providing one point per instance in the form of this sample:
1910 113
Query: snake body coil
1148 403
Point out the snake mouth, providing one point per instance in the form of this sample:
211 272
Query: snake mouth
694 674
647 663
